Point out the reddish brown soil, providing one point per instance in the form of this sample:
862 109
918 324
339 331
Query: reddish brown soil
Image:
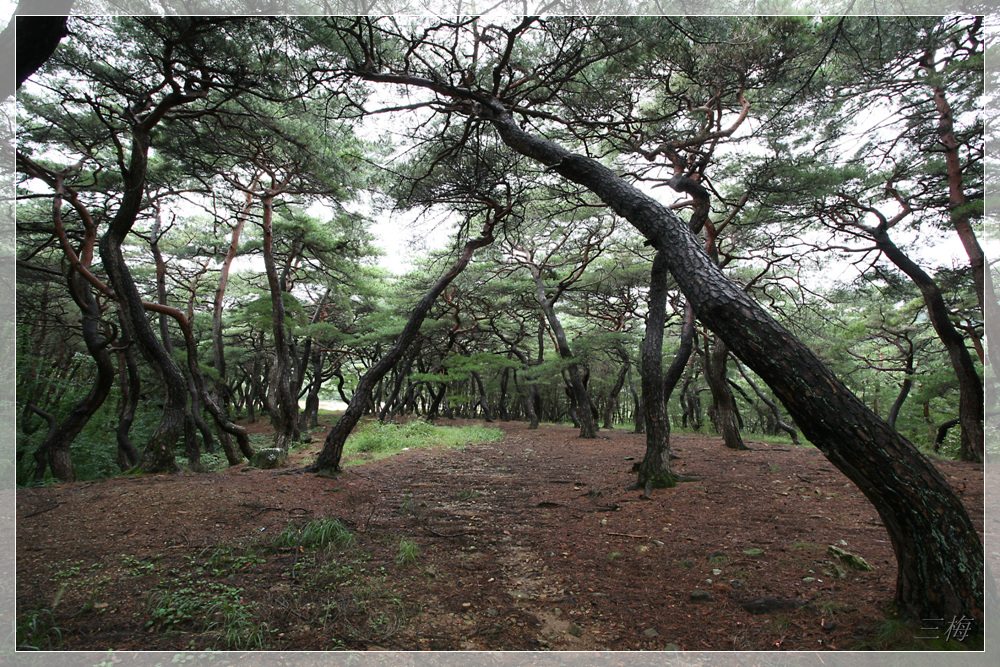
530 543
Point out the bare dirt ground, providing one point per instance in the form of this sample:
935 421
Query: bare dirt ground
531 543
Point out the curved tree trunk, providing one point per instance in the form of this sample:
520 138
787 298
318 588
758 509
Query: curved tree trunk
392 405
37 39
309 418
59 439
284 415
970 386
200 391
938 552
333 446
158 454
41 454
56 445
483 407
904 390
221 394
960 217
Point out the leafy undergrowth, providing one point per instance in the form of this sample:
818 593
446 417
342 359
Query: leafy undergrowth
526 543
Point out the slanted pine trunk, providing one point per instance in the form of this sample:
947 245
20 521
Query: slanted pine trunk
612 405
778 422
333 446
939 555
957 203
54 449
970 386
580 397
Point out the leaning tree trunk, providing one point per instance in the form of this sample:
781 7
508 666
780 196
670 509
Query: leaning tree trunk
57 441
970 386
779 422
222 396
957 203
309 418
588 427
938 552
612 406
483 407
333 446
200 391
193 422
904 389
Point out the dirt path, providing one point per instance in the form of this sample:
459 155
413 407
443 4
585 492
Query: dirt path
530 543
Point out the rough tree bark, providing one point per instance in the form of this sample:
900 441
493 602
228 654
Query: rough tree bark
128 371
654 469
37 39
221 394
957 203
904 389
158 454
284 411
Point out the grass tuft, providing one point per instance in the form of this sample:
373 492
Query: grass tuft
315 534
407 552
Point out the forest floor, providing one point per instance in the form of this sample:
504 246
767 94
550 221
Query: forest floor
529 543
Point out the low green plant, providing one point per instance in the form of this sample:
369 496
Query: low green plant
315 534
614 554
138 567
69 570
407 551
407 504
36 630
224 560
207 607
